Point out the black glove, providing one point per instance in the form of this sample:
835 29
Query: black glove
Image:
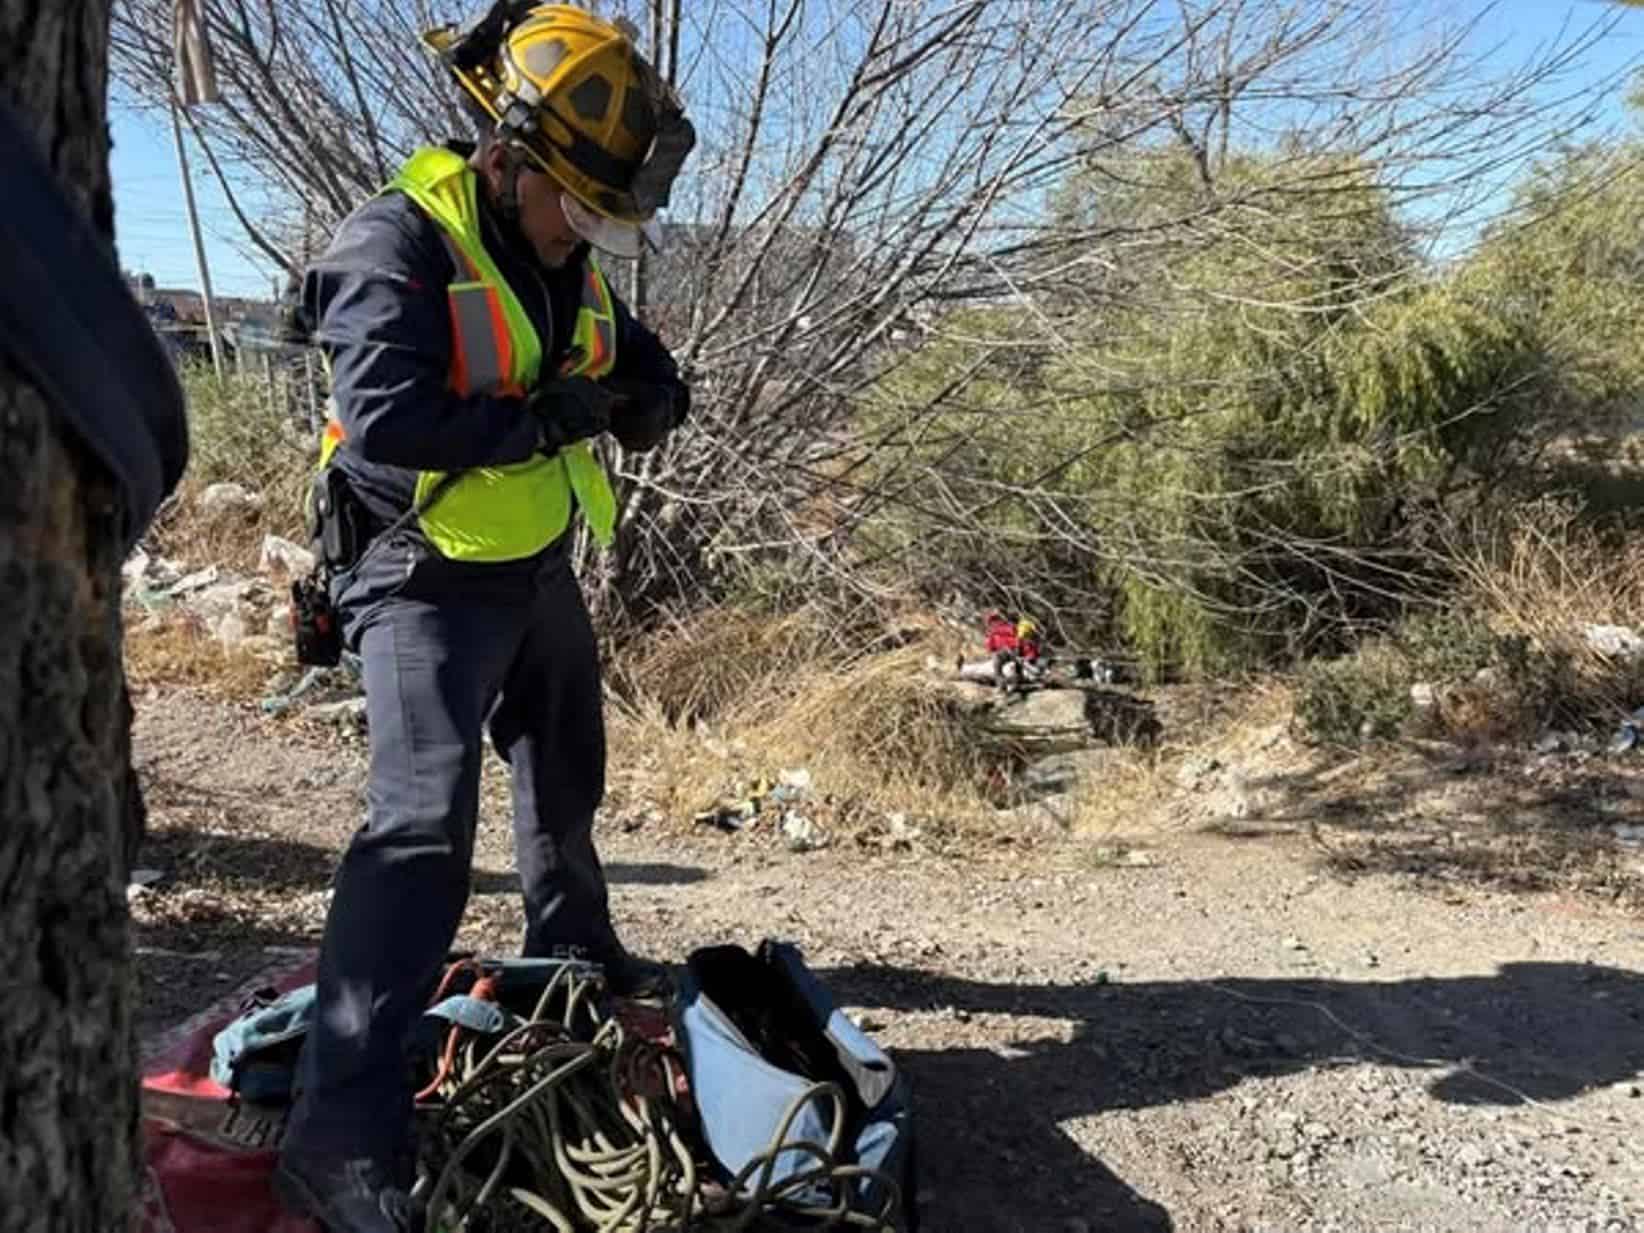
645 413
569 409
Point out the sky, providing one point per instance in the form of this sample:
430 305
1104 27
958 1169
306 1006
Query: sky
151 228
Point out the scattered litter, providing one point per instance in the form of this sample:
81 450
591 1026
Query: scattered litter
1616 641
1293 944
801 833
1627 736
1552 743
197 581
899 834
799 778
1423 695
280 554
728 815
142 879
326 681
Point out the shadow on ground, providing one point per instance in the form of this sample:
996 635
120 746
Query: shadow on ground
995 1157
227 906
1506 818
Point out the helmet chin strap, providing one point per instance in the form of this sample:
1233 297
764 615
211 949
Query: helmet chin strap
505 200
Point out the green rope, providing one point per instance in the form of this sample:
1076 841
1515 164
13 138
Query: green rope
548 1124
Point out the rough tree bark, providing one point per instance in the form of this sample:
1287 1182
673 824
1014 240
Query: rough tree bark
68 814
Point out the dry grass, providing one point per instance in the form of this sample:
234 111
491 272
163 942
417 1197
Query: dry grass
710 706
176 649
1544 576
236 435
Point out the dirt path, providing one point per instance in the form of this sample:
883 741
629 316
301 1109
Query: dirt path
1227 1039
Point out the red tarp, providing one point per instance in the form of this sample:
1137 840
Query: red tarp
207 1162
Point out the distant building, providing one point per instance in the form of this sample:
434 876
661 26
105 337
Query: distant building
178 317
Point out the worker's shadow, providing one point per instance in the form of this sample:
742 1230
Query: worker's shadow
1004 1128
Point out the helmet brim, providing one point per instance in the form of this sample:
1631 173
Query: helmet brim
610 236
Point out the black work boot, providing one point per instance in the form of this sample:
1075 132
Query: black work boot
346 1196
643 980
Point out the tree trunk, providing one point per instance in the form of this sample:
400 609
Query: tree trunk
68 812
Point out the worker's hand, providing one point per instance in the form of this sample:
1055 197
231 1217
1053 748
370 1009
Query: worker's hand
570 409
644 413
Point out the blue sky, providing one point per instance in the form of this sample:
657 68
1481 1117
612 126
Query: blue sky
150 220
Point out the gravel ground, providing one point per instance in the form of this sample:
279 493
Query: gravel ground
1227 1035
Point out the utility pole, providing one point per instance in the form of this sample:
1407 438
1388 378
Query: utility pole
199 244
641 289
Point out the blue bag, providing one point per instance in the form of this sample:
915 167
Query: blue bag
760 1034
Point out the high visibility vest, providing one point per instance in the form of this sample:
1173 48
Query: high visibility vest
507 512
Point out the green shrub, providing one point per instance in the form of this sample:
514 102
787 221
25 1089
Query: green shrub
1360 697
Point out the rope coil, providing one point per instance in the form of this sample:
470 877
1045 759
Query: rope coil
570 1119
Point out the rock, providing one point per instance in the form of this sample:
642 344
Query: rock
1616 641
280 555
1050 816
1073 773
229 500
1293 944
1050 720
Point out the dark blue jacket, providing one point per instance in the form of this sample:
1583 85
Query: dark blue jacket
377 301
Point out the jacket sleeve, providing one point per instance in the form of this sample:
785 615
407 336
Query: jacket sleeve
378 300
641 356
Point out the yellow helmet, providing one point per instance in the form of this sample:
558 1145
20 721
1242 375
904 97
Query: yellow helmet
573 92
1027 627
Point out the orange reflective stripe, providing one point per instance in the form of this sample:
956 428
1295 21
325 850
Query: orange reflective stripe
334 432
502 343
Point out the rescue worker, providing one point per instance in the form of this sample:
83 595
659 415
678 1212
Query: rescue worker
477 351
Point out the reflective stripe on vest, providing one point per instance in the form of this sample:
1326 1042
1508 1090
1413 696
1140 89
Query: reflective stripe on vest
515 510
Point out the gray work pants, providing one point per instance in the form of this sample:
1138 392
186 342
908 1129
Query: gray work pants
449 650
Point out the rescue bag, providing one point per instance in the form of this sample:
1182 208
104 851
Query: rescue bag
792 1096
